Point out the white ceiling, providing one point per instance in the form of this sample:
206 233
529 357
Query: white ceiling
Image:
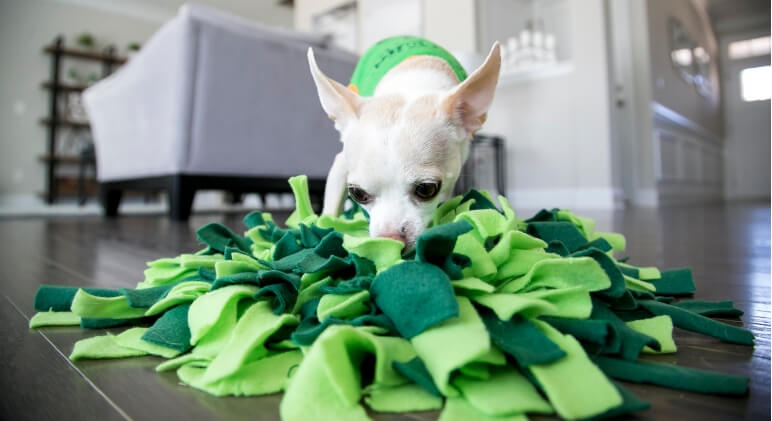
724 12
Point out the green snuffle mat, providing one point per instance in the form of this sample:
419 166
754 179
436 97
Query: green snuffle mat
492 317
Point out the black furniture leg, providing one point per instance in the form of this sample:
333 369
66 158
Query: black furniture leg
317 201
81 182
181 193
111 199
235 197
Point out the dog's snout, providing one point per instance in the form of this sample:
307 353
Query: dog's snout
399 233
396 235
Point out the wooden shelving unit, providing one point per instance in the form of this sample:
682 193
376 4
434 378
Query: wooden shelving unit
107 56
68 159
64 87
64 123
57 185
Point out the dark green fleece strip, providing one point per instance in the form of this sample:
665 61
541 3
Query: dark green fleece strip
674 377
693 322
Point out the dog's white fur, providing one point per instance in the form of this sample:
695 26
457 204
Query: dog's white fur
415 128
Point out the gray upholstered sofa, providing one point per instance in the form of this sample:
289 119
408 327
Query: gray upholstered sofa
213 101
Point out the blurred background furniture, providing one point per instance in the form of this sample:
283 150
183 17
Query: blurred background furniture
61 94
485 169
214 102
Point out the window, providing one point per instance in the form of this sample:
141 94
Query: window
756 83
749 48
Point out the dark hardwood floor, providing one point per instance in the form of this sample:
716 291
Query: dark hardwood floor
727 246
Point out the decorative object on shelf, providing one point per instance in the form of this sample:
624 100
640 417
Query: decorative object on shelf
132 49
72 104
535 37
690 60
702 61
86 41
73 142
532 48
81 79
74 110
67 116
681 45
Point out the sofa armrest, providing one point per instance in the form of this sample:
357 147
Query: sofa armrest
212 94
140 115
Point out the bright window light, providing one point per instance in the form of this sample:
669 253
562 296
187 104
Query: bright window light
756 83
682 56
753 47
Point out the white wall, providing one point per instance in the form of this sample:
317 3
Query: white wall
558 129
450 23
27 25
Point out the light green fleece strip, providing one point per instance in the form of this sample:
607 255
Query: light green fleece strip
384 252
506 392
269 374
659 328
572 302
165 271
589 392
452 344
327 386
246 345
92 306
304 212
54 318
213 316
184 292
459 409
404 398
343 306
561 273
127 344
472 286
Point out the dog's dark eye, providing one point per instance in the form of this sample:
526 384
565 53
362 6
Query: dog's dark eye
426 191
359 195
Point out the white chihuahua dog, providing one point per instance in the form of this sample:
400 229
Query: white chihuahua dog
404 146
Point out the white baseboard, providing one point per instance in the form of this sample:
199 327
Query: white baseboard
565 198
647 198
20 200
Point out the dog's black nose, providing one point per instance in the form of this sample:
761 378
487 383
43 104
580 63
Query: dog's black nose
399 236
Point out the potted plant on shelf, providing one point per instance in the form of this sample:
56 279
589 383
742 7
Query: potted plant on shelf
86 41
132 49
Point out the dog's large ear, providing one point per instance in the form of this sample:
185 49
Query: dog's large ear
340 104
470 100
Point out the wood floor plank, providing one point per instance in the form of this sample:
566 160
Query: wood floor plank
38 383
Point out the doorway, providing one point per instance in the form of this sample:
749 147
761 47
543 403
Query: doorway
745 78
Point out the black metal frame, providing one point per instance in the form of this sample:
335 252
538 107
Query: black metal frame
466 181
53 111
181 189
